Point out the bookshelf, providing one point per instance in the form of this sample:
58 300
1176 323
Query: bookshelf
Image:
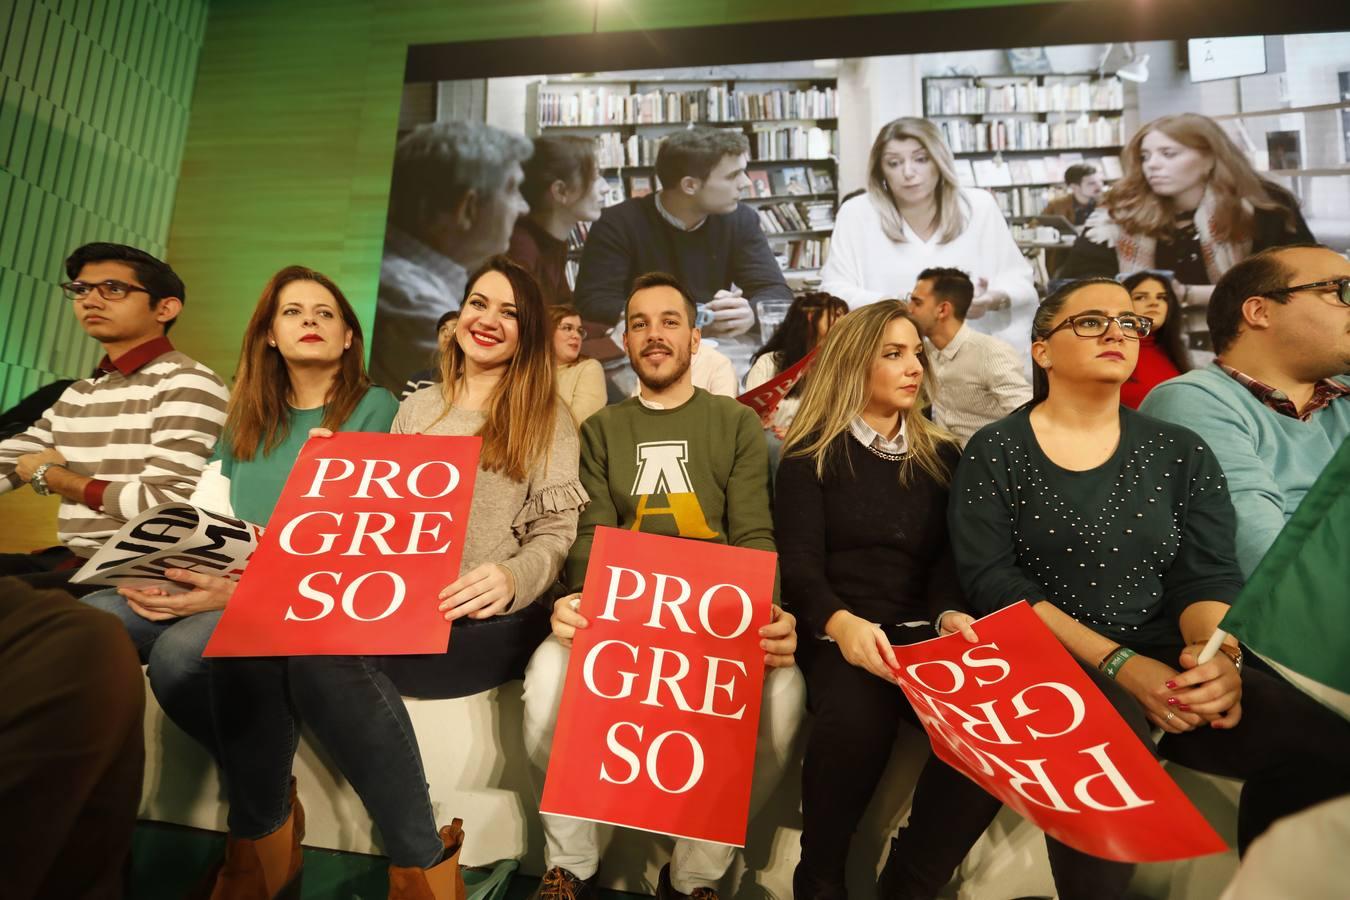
791 124
1014 135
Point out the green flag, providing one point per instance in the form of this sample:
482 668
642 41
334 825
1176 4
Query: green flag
1295 609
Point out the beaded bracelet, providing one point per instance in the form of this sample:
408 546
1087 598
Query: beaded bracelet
1113 663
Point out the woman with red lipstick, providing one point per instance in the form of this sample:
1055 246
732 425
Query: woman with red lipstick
1190 203
581 380
1117 528
496 382
1162 352
301 366
860 523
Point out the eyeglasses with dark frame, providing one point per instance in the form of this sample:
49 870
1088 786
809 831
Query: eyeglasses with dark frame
1342 286
1091 325
111 290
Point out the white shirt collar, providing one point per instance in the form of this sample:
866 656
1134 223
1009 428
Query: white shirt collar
955 344
870 437
674 221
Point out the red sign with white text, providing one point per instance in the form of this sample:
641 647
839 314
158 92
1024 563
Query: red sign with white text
1017 714
368 530
765 398
661 706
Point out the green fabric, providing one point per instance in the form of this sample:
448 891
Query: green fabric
1295 609
255 484
698 471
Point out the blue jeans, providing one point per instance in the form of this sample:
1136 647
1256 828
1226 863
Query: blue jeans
179 677
354 707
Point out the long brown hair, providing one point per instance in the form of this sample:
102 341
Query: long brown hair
838 390
1171 337
951 218
1233 184
523 408
258 412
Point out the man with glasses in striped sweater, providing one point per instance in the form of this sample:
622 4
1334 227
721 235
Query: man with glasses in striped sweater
135 435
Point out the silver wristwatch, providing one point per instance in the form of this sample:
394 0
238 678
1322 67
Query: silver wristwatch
39 479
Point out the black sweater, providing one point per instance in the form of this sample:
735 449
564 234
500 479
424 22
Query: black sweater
632 239
859 540
1123 548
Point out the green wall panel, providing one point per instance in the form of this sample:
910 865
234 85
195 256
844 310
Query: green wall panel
94 99
293 120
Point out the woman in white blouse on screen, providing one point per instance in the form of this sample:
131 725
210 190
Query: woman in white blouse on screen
915 214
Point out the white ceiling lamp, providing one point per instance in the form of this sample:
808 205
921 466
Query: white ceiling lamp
1136 65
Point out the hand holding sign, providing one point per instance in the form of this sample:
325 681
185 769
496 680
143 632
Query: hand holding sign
368 530
1016 714
661 705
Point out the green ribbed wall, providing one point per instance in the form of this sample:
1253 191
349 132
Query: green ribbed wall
94 99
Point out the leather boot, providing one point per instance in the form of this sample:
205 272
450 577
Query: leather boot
443 881
243 874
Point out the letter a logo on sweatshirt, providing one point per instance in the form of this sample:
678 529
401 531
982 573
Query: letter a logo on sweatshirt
661 470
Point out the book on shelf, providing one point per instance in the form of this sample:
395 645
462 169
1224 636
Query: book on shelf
613 150
822 182
803 215
1040 173
795 143
615 193
992 173
965 173
576 238
802 253
639 185
1029 134
1111 170
945 98
616 105
1020 171
759 183
789 180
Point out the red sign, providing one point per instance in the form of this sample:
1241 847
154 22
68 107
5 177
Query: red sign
765 398
661 706
1016 714
368 530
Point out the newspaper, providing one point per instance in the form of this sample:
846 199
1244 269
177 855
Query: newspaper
172 536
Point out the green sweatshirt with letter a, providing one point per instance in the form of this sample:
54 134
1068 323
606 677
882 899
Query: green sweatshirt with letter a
700 470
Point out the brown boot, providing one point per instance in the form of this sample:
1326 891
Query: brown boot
443 881
268 868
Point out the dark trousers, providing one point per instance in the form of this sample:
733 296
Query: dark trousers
354 707
49 568
72 755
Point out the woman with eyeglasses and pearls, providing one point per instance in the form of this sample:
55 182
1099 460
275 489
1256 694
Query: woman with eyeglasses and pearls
581 380
1118 529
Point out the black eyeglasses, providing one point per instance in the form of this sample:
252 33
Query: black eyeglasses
1090 325
1342 286
110 290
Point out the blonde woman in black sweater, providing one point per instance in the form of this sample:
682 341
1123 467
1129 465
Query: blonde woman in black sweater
861 502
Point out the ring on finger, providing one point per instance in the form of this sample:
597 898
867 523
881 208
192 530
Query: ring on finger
1170 717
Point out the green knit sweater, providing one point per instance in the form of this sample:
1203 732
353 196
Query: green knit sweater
700 470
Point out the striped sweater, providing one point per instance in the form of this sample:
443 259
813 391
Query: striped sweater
146 431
